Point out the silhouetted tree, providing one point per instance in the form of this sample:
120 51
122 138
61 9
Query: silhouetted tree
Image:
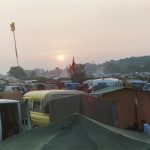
17 72
111 67
33 74
80 74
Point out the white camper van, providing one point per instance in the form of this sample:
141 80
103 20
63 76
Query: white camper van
14 118
99 84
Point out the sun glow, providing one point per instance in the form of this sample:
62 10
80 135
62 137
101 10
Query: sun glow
61 57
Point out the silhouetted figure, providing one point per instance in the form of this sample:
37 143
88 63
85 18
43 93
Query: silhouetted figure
146 127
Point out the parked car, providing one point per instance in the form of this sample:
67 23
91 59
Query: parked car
38 103
12 88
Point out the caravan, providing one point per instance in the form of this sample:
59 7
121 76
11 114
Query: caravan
99 84
38 103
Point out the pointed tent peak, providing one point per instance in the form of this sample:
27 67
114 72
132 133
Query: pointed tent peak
74 65
73 61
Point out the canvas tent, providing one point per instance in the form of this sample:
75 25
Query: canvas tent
84 104
128 106
38 103
143 105
77 132
66 102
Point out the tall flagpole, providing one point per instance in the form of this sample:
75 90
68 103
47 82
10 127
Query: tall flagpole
12 25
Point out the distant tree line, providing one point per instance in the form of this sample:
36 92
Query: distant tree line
20 73
84 71
127 66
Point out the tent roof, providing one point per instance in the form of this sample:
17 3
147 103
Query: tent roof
5 101
42 93
77 132
106 90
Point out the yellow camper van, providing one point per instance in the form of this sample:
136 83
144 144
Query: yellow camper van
38 104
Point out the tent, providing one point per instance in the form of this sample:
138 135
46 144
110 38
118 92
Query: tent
77 132
86 105
122 105
128 106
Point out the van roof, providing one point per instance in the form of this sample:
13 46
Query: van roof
107 80
106 90
135 81
4 101
42 93
12 86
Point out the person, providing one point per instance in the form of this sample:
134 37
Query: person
146 127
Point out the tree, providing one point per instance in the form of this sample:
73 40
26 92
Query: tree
33 73
146 67
79 75
111 67
17 72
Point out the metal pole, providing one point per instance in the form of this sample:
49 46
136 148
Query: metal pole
16 48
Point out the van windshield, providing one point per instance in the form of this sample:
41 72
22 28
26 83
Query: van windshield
36 106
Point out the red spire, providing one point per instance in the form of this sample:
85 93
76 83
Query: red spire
73 67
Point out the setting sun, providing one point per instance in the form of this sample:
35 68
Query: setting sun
61 57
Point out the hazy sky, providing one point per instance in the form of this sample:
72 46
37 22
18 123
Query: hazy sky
89 30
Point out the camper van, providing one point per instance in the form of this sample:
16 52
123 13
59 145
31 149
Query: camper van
14 118
99 84
135 84
38 103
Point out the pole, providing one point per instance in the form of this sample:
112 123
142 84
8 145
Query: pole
12 26
16 48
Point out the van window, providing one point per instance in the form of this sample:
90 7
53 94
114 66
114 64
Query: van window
36 106
99 86
16 88
30 103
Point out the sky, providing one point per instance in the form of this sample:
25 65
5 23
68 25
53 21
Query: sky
50 32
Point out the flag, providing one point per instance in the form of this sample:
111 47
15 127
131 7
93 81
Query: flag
12 25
